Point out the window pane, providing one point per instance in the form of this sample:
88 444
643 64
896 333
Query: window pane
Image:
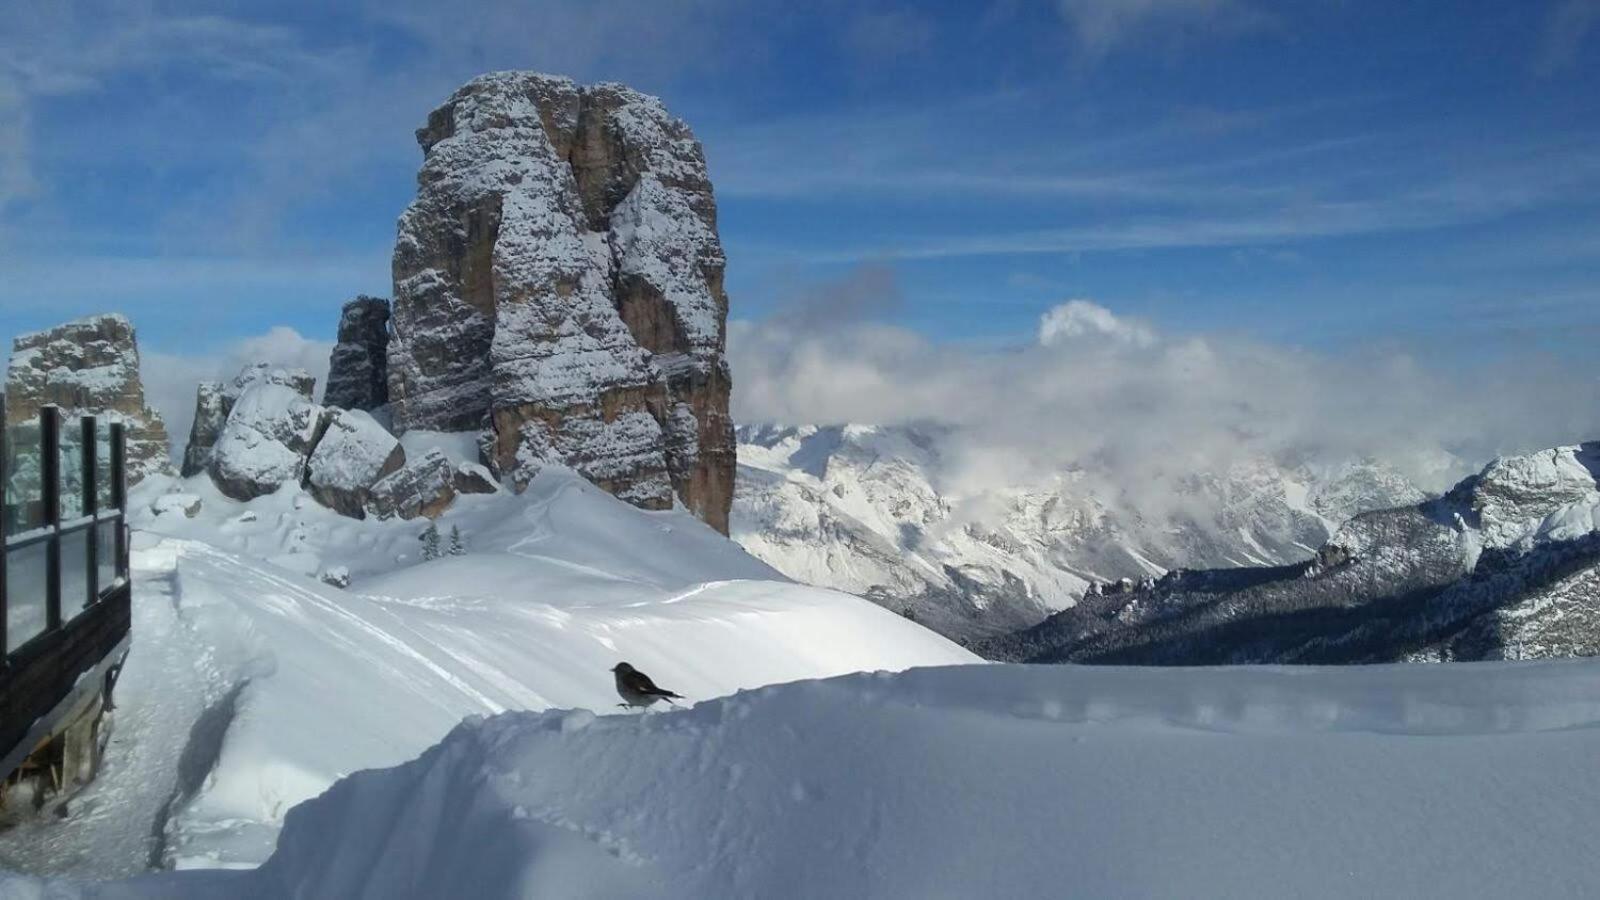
24 508
25 584
102 462
74 573
107 550
72 486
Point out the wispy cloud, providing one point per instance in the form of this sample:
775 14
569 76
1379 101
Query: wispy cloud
1478 194
875 35
1100 27
1144 409
1566 27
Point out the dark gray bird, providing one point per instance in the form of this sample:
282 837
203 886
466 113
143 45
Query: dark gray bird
637 689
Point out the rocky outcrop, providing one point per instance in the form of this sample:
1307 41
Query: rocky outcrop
261 431
211 405
354 453
270 431
214 401
559 283
89 367
424 487
359 366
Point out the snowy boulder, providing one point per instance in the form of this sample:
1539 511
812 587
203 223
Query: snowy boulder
472 478
188 504
353 454
423 487
214 401
266 440
335 576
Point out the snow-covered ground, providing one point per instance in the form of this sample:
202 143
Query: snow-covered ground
252 686
1002 781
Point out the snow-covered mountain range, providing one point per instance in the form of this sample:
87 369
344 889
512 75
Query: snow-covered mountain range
1504 566
871 510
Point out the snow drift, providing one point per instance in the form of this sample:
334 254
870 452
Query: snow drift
1010 781
266 685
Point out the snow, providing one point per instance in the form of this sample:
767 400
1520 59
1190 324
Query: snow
884 511
293 683
1005 781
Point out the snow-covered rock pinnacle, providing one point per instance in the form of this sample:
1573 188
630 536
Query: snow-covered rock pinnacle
558 281
89 367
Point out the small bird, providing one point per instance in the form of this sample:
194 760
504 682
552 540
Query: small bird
637 689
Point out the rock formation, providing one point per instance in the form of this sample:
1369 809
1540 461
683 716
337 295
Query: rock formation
214 400
559 282
354 453
89 367
358 370
271 429
261 431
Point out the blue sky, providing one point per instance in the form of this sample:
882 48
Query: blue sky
1328 175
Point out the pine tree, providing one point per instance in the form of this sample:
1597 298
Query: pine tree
457 548
430 542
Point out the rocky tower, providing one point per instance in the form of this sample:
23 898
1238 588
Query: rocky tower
89 367
558 282
358 370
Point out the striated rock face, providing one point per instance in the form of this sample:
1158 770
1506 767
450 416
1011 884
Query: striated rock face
211 405
559 282
358 370
89 367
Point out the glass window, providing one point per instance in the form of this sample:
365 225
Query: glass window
72 486
74 573
106 550
24 508
25 600
102 462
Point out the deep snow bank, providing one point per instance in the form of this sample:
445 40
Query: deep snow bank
1005 781
290 684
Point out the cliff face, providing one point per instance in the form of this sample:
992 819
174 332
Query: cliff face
358 369
89 367
558 284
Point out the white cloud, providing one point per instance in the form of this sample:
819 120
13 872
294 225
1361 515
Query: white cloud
1077 319
1143 410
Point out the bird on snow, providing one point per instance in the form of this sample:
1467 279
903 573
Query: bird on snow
637 689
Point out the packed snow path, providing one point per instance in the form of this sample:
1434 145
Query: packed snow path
1473 780
111 828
